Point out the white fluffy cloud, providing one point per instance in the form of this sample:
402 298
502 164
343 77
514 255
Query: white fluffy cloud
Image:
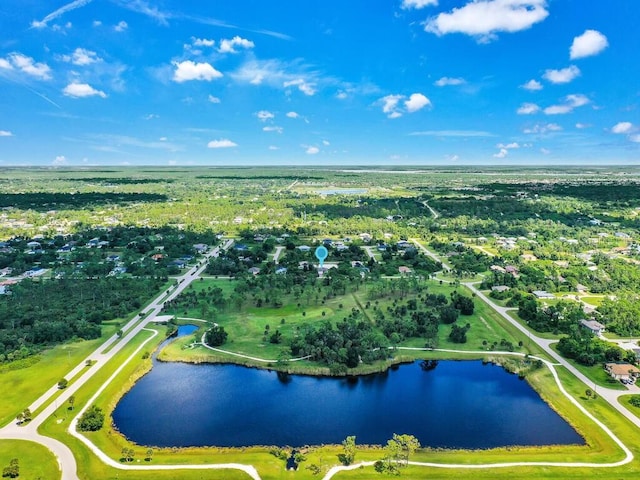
502 153
564 75
543 128
5 133
228 45
293 115
59 160
635 138
312 150
591 42
272 128
391 104
81 90
264 115
188 70
82 57
416 101
417 4
532 85
213 99
302 84
26 65
121 26
281 75
504 149
202 42
446 81
528 109
622 127
222 143
570 102
484 18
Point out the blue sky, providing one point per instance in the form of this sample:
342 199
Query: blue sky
421 82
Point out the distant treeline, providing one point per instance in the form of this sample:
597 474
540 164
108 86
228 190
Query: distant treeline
120 180
42 201
612 191
258 177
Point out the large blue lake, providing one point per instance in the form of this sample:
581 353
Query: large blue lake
455 405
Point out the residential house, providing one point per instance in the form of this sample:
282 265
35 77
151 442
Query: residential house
500 288
622 371
543 294
595 327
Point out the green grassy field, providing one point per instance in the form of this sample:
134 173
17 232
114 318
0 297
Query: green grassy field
596 373
35 461
22 386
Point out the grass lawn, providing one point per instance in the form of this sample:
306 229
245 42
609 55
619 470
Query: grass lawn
23 386
595 301
548 335
35 461
626 401
595 373
246 329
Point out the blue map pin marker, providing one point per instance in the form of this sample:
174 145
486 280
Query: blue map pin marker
321 254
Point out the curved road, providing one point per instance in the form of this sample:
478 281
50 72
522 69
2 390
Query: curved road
81 373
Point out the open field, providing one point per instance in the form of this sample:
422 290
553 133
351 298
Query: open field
35 461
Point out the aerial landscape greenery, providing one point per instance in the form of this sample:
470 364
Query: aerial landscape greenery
100 266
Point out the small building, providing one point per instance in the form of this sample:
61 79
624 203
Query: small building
281 270
528 257
596 327
254 270
622 371
500 288
543 294
497 268
34 245
403 245
511 270
405 270
178 264
304 248
201 247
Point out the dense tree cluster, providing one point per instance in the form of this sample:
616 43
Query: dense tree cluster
343 346
582 346
215 336
40 313
91 420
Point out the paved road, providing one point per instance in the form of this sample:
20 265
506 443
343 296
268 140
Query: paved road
81 373
277 253
611 396
431 255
